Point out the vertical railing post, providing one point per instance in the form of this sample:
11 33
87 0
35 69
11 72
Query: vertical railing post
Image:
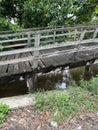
36 51
31 80
75 34
95 33
82 35
29 39
81 38
54 36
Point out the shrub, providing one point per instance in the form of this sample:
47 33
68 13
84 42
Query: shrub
64 104
91 85
58 104
4 109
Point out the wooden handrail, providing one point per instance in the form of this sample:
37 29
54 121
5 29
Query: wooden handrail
46 36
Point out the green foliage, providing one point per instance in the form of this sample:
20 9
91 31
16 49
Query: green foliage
83 99
85 10
4 109
6 25
42 13
91 85
58 104
62 105
12 9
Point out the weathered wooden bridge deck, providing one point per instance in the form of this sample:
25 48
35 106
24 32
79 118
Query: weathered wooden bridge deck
33 51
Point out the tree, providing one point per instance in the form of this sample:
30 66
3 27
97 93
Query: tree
46 12
86 11
42 13
12 9
39 13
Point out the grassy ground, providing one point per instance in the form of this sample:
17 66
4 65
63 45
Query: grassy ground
4 109
61 105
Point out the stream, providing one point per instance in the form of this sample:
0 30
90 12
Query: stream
53 80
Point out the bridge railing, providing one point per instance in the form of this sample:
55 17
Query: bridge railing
38 42
27 38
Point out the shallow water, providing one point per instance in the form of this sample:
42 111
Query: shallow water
49 81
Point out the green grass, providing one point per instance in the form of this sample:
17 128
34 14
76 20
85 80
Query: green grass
91 85
61 104
4 109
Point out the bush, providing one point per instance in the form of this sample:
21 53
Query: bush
91 85
58 104
61 104
4 109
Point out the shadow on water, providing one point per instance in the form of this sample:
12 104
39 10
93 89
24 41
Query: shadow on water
49 81
82 73
13 89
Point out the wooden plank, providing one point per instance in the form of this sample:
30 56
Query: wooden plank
92 48
13 34
68 58
16 66
65 50
11 46
56 41
66 29
57 53
11 66
38 32
29 49
14 61
2 59
27 64
57 35
30 54
43 52
75 34
95 33
59 59
48 30
13 40
56 60
41 64
5 66
29 39
82 55
82 35
48 61
36 52
22 65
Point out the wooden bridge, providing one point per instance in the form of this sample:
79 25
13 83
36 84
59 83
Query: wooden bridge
27 52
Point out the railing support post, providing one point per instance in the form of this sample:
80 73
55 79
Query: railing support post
95 33
75 35
36 52
31 81
29 39
82 35
54 36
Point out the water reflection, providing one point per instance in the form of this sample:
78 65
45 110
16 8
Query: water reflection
58 79
64 78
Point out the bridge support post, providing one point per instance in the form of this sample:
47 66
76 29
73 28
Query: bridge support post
88 70
31 81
